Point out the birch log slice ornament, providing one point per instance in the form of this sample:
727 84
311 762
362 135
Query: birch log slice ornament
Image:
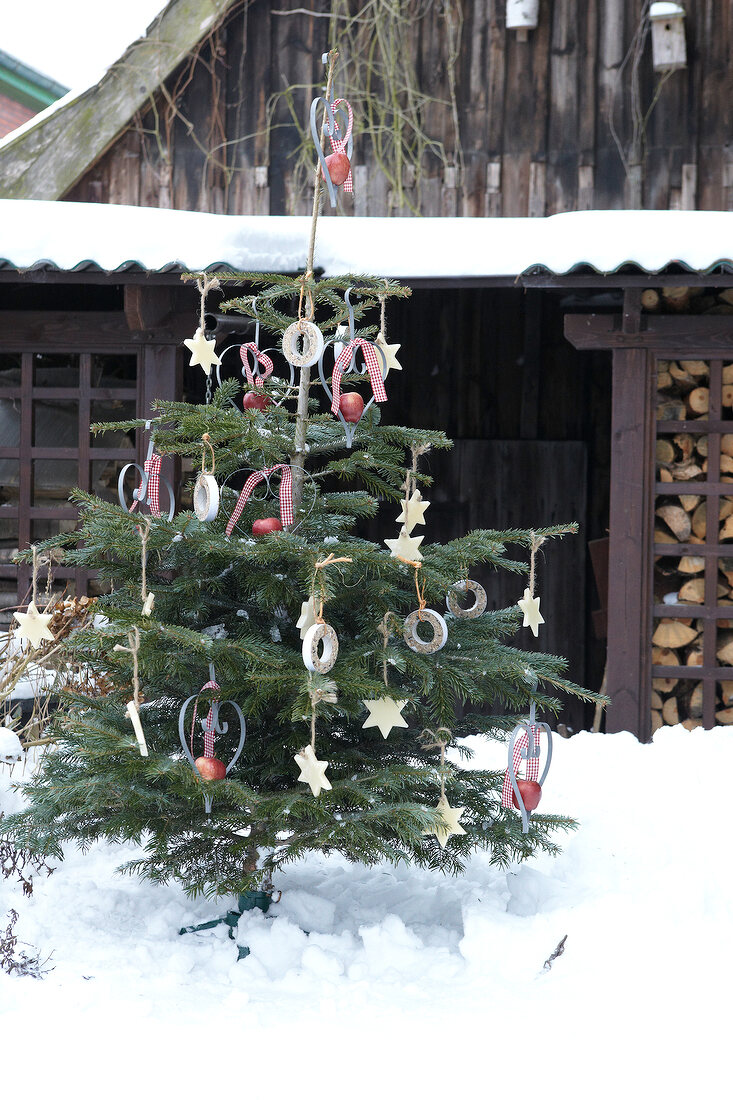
437 624
316 635
302 343
206 494
478 606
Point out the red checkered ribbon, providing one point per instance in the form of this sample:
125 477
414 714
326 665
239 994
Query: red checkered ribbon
152 469
286 494
532 769
339 144
263 359
373 366
209 723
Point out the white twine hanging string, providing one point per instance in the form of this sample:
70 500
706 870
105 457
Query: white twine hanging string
537 542
204 286
324 694
436 742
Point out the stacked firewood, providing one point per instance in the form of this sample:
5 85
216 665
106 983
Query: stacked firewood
687 299
683 394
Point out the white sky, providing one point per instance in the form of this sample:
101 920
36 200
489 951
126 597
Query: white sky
73 41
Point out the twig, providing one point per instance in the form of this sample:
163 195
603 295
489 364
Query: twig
555 954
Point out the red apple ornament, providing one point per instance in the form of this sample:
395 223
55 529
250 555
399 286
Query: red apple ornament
531 793
266 526
338 166
210 768
351 407
253 400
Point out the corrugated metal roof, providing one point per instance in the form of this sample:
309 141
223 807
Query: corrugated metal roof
85 236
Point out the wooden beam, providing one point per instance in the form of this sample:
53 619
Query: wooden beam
148 307
85 331
588 331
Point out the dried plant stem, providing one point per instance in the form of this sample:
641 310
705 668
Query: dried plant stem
297 461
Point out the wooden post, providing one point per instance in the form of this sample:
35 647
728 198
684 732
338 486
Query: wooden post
630 573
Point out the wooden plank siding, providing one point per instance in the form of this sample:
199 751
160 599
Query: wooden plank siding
544 125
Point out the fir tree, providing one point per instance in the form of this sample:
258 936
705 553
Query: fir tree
235 603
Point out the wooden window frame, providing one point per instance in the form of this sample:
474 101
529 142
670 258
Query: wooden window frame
158 375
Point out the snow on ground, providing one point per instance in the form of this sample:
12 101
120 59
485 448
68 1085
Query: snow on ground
403 983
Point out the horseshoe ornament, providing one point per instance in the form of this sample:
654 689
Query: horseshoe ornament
333 127
140 495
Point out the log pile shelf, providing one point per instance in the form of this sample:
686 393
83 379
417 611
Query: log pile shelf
692 616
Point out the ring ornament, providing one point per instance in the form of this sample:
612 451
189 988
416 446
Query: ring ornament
479 602
206 497
439 627
312 345
321 632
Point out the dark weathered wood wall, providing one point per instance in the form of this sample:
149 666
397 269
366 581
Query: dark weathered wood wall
533 116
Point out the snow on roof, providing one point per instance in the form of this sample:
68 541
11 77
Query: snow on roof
72 236
664 10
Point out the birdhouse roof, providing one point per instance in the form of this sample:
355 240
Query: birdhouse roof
665 10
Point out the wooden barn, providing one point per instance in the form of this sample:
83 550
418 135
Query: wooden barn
556 197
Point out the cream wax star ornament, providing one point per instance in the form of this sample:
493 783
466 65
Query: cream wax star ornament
413 511
448 825
385 713
33 625
390 354
203 352
307 617
312 771
406 546
530 605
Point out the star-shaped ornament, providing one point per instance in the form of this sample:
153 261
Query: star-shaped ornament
307 617
530 605
203 352
414 511
448 825
406 546
384 713
312 771
390 354
34 625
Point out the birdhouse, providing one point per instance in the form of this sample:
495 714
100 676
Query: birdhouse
668 36
522 16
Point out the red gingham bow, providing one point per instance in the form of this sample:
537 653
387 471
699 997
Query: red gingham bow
532 769
339 144
209 724
286 494
373 366
263 359
152 469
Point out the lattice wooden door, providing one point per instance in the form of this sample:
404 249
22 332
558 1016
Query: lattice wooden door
48 399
